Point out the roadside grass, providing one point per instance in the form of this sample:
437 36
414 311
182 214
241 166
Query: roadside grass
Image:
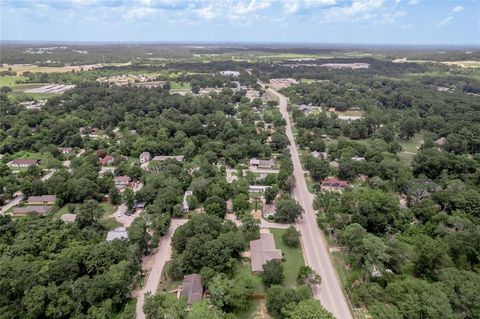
293 258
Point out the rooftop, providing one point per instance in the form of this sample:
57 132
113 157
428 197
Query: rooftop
263 250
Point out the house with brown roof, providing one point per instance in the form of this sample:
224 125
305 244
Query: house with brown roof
333 185
107 160
34 210
42 200
263 250
22 163
192 288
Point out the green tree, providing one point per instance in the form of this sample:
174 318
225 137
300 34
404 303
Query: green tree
416 298
272 273
129 198
164 306
308 276
230 294
215 206
114 196
270 194
89 213
278 297
287 210
291 237
306 309
240 203
201 310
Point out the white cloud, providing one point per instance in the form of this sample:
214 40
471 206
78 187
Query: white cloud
252 6
294 6
207 12
391 17
450 16
457 9
413 2
138 13
358 10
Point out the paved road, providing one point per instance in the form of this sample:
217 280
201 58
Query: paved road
13 202
315 249
161 257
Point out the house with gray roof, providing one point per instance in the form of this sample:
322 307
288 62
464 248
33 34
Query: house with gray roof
263 250
192 288
119 233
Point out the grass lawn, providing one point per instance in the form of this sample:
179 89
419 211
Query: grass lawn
107 207
180 85
256 310
293 258
409 149
10 80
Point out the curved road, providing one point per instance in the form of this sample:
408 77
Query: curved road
315 249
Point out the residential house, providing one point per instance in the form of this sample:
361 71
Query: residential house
263 250
185 205
333 185
22 163
319 155
122 181
107 160
145 157
358 159
139 205
305 108
35 210
230 73
65 150
269 210
257 188
42 200
441 141
229 206
119 233
68 218
262 164
192 288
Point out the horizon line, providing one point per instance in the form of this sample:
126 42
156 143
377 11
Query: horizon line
252 43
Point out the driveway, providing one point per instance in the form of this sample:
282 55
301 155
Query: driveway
315 249
162 255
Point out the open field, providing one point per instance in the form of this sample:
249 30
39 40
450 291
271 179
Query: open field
10 80
20 68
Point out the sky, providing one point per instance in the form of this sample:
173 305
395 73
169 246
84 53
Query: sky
409 22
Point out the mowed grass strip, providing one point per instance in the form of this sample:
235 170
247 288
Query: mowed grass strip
293 258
